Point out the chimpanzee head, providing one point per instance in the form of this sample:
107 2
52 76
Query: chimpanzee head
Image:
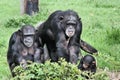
88 60
68 21
28 35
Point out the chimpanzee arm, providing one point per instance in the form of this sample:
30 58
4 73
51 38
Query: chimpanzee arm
19 60
80 66
10 53
74 53
93 68
61 45
13 56
38 56
74 46
74 49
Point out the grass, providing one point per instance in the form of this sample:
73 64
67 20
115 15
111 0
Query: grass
101 27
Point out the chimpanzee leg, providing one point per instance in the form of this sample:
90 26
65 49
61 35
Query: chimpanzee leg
62 47
52 52
62 52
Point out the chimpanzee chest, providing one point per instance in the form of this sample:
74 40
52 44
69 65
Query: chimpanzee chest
28 51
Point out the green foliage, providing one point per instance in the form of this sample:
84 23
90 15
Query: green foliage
18 21
54 71
48 71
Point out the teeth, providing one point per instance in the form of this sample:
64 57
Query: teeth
70 32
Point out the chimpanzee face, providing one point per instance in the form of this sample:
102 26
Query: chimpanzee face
88 60
85 65
69 22
28 35
28 40
70 26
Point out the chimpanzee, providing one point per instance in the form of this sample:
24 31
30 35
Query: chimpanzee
83 44
87 63
61 33
23 47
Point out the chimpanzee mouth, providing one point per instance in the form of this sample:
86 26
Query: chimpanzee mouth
71 32
28 41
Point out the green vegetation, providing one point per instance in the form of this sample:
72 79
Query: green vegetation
101 27
55 71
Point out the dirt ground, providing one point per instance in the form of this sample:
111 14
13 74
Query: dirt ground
114 75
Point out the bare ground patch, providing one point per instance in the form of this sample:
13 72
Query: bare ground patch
114 75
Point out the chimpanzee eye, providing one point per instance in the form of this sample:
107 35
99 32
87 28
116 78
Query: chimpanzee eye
61 17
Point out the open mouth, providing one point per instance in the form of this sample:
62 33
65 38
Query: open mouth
71 32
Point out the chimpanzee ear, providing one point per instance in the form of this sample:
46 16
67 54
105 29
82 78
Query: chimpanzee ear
20 32
36 30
